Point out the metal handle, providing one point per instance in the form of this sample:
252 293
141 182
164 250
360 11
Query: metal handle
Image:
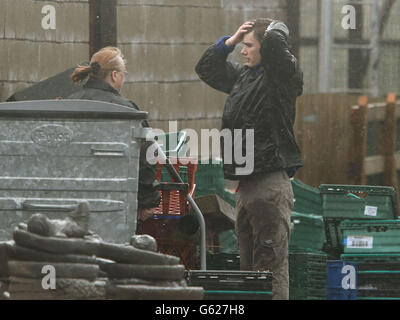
199 215
108 152
47 207
108 207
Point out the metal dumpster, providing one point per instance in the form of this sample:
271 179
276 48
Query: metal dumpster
57 153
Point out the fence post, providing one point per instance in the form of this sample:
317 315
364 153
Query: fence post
388 144
358 142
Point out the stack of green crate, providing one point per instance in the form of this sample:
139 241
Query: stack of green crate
210 180
209 177
378 275
362 226
345 204
307 199
228 242
374 246
376 236
229 196
307 232
307 276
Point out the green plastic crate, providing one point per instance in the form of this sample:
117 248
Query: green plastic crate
373 262
183 173
307 276
307 199
378 283
209 177
307 294
228 196
307 232
374 236
228 241
362 258
358 202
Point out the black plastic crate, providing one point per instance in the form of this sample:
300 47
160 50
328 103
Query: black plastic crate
223 261
230 280
334 240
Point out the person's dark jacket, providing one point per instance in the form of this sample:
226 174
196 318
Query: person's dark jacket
148 196
262 98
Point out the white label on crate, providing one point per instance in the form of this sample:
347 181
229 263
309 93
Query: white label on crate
359 242
371 211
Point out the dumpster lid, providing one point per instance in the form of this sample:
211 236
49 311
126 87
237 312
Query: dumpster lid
59 85
80 109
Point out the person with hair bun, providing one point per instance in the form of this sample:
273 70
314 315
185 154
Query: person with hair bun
102 80
106 73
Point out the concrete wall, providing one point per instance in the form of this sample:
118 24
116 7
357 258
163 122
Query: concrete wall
162 41
28 53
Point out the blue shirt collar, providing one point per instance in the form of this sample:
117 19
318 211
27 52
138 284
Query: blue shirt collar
256 68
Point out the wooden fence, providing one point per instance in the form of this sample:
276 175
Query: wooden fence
386 161
346 139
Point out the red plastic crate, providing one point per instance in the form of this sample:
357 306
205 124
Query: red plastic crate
174 202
